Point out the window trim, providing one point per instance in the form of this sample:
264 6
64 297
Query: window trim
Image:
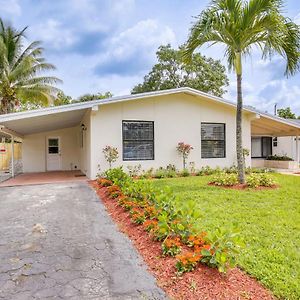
214 123
153 140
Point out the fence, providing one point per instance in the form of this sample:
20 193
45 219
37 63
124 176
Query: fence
5 156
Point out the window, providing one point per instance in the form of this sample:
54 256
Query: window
53 146
212 140
261 147
138 140
275 142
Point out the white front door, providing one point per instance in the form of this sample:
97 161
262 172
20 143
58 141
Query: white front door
53 154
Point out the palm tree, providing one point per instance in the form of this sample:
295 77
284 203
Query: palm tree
240 26
20 69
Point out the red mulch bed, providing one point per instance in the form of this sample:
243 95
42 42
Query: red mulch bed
202 283
244 187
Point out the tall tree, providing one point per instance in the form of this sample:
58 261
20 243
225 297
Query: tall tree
205 74
241 25
20 68
286 113
90 97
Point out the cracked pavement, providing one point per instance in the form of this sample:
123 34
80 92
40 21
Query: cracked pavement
58 242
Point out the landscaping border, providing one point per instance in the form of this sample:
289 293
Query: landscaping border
202 283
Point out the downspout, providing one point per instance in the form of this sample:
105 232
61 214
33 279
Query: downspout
12 149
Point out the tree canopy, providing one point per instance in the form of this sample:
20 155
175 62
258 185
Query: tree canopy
286 113
205 74
20 71
90 97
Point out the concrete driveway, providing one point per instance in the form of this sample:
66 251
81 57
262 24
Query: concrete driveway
57 242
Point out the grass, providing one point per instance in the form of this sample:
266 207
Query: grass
269 222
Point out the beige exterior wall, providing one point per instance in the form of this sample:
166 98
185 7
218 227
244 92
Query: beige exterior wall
85 149
34 149
177 118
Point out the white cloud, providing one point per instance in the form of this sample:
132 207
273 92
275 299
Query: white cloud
55 34
147 34
11 7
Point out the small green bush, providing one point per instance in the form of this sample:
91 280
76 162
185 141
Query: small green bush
160 173
225 179
279 157
259 179
184 173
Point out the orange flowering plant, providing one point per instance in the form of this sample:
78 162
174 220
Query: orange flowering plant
103 182
150 225
171 246
137 216
187 262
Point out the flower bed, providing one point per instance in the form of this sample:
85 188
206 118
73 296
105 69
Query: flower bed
175 245
254 181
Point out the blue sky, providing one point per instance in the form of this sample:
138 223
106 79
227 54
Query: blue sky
109 45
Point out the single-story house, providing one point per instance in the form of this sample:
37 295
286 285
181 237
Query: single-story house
145 128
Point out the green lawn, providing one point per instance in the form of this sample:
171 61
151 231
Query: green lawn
269 222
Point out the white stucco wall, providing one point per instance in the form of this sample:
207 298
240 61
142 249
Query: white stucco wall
286 146
85 150
177 118
34 149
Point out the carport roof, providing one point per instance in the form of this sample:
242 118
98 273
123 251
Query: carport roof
52 118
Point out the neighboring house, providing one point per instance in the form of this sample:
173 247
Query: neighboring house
145 128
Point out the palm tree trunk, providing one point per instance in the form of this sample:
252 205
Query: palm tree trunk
239 142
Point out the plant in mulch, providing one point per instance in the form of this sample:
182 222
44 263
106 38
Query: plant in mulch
103 182
172 221
150 225
225 179
137 216
114 191
256 180
220 249
187 262
171 246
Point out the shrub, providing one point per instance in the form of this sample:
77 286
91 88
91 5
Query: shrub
160 173
147 174
104 182
187 262
137 216
111 154
184 150
279 157
207 170
118 177
171 246
196 241
150 225
221 249
184 173
134 171
225 179
259 179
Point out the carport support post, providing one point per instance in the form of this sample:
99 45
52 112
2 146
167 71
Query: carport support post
297 150
12 156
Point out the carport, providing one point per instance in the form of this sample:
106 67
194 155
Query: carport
54 139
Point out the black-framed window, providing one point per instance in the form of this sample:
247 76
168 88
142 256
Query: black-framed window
213 140
138 140
261 147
